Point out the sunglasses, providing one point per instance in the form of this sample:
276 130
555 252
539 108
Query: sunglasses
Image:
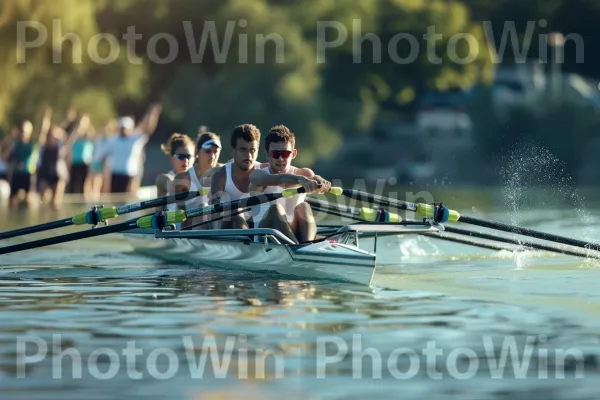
280 153
182 156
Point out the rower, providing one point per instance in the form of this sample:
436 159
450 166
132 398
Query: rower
292 216
180 150
230 182
208 151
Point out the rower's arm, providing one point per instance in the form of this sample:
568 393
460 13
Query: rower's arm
217 186
181 184
261 178
206 177
324 184
163 182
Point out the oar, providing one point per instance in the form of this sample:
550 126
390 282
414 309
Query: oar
428 210
363 214
532 245
158 220
98 215
359 215
233 214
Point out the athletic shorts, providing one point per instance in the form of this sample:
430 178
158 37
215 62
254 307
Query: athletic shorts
120 183
79 173
50 180
20 181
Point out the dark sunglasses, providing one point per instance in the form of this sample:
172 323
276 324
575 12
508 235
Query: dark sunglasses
280 153
182 156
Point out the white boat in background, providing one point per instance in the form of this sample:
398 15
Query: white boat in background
337 256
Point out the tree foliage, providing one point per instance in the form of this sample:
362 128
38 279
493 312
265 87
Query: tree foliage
263 67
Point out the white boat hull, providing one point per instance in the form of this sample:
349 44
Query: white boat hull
321 260
338 257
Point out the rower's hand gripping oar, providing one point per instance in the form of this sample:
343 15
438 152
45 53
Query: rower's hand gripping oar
158 220
99 215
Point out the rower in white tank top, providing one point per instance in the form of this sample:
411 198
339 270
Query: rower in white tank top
233 193
289 204
195 185
171 206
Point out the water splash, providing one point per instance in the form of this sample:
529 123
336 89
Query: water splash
535 179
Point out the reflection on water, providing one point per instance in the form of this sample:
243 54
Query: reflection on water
93 320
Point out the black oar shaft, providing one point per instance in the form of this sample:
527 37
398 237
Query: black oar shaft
129 208
233 214
537 246
441 236
131 224
69 237
37 228
158 202
241 203
382 201
528 232
389 202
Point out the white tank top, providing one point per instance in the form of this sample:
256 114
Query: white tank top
289 205
231 191
171 206
195 185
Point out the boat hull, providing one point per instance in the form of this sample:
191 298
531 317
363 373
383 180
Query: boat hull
320 260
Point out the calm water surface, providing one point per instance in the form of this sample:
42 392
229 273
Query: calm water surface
93 320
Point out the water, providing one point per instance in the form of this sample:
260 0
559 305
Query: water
442 321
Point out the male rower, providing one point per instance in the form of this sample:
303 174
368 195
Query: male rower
230 182
293 216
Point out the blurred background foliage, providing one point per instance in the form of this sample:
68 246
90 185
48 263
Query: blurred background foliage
324 103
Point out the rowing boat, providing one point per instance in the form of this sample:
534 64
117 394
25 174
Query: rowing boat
337 256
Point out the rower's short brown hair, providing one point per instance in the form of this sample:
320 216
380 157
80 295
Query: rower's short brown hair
248 132
280 133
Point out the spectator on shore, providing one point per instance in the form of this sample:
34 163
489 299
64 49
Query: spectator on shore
80 158
21 159
124 151
99 175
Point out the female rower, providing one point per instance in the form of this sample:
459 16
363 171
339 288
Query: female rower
180 149
208 150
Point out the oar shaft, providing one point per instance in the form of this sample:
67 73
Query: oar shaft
528 232
241 203
129 208
158 202
389 202
382 201
37 228
441 236
69 237
537 246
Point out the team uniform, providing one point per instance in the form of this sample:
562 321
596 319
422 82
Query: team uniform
231 191
289 204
